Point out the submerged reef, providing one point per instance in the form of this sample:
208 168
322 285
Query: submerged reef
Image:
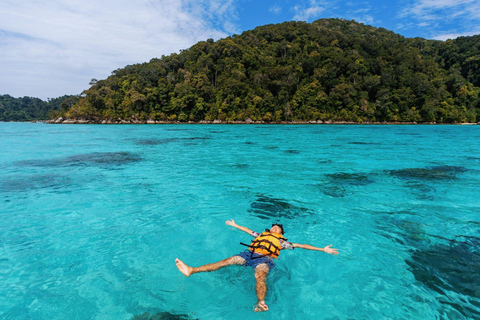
423 181
95 159
292 151
241 166
350 179
154 142
401 230
266 207
429 173
162 316
363 143
21 183
451 267
337 184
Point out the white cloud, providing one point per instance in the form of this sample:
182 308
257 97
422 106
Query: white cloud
443 9
444 19
52 48
452 36
304 14
365 19
363 16
275 9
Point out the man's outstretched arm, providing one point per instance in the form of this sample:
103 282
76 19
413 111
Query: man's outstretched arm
326 249
233 224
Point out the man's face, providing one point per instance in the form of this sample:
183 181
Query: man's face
276 229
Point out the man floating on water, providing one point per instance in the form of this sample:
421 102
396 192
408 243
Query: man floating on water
263 249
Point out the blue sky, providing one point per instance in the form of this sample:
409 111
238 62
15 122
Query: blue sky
52 48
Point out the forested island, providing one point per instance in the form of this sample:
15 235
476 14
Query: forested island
331 70
33 109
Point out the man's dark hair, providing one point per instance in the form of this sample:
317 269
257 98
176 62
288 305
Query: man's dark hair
280 225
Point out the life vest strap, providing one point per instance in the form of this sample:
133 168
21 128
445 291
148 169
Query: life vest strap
252 252
267 247
261 247
270 244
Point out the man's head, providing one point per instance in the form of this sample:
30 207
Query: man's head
277 228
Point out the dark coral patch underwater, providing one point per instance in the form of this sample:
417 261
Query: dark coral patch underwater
241 166
21 183
155 142
338 184
162 316
267 208
363 143
95 159
429 173
401 230
451 267
292 151
352 179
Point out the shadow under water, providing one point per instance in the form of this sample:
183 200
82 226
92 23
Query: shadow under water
350 179
401 230
292 151
241 166
31 182
421 191
451 267
473 158
337 184
100 159
429 173
266 207
363 143
161 316
155 142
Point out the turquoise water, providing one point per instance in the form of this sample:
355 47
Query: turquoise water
93 217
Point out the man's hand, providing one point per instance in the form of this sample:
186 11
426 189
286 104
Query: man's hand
230 223
233 224
327 249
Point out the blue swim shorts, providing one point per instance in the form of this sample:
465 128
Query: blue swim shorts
256 259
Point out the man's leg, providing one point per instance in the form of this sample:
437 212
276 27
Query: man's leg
188 271
261 272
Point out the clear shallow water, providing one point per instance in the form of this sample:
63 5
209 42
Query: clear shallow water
93 217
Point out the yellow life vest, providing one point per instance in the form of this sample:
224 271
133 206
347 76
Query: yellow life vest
267 244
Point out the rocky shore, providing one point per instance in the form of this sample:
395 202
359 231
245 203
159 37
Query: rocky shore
247 121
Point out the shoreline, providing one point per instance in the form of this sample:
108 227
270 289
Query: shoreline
150 121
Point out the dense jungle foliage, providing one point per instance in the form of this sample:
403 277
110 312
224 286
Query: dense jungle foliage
31 109
331 69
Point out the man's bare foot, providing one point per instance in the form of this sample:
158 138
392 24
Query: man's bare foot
260 306
186 270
